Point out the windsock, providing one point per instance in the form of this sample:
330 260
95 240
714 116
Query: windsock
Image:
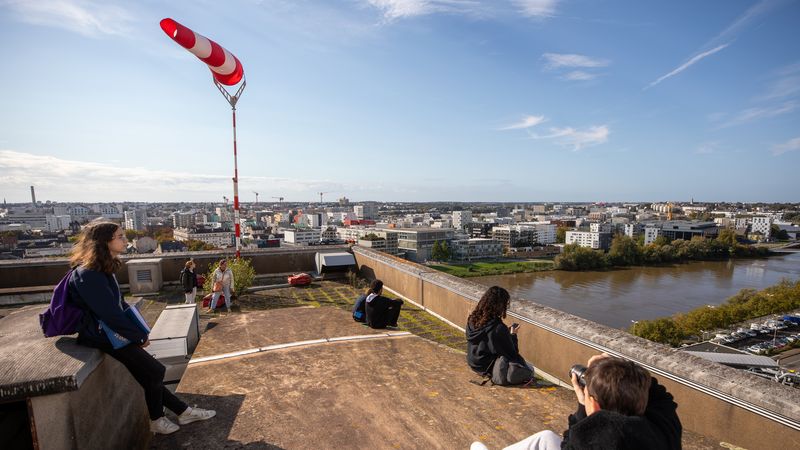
225 67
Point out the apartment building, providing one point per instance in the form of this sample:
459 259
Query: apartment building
476 248
417 243
461 219
589 239
763 225
368 211
136 219
515 235
217 237
301 236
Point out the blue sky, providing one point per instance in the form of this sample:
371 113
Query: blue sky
405 100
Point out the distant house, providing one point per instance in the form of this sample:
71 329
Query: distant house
171 247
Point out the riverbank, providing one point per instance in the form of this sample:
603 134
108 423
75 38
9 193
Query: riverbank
488 268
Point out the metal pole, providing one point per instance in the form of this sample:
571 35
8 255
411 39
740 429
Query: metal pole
232 99
236 225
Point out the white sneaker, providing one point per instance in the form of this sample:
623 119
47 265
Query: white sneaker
195 414
162 425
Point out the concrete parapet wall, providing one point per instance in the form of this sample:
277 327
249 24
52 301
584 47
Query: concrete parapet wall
47 272
714 400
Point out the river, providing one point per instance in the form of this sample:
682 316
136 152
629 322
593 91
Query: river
617 297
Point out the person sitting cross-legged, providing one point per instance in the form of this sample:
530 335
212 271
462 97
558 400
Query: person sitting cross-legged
620 407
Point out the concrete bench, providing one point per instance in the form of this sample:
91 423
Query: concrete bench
173 339
55 394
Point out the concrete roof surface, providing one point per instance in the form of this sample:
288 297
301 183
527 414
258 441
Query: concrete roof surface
389 392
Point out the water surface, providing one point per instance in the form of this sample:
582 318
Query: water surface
617 297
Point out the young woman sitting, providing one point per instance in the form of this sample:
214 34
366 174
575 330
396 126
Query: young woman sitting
94 288
381 312
492 347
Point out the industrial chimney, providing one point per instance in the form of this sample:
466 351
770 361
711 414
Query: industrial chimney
33 196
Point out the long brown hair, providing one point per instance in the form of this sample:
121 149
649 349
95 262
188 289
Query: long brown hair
91 250
375 287
493 304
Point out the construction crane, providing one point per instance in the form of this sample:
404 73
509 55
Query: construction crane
280 199
254 192
320 195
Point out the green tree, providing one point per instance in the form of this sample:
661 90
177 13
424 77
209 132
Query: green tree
624 251
727 237
196 246
446 251
663 330
561 235
779 233
436 251
575 257
243 275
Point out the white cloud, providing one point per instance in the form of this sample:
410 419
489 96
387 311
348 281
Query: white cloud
72 179
707 148
400 9
758 113
577 139
570 60
692 61
86 17
526 122
786 84
579 75
788 146
537 8
755 11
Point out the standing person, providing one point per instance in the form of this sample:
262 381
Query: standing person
93 287
492 347
381 312
189 281
222 280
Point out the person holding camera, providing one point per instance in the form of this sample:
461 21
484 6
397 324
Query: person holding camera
620 406
492 347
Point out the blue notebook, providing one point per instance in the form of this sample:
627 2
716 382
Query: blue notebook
117 340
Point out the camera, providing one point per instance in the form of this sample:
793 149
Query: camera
580 373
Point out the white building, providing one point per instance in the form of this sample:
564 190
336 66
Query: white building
57 223
184 219
589 239
301 236
651 233
633 230
545 232
762 225
217 238
136 219
366 212
461 218
601 227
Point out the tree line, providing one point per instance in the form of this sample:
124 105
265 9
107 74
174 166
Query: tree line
745 305
626 251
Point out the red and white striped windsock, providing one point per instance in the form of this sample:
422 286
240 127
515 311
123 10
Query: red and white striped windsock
225 67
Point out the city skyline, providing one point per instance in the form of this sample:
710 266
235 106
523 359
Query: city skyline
405 100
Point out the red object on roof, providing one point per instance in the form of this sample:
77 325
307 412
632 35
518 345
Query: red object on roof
300 279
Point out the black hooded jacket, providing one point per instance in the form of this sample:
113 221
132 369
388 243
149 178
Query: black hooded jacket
658 429
489 342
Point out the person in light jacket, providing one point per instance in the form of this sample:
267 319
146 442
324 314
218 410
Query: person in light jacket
224 276
189 281
94 288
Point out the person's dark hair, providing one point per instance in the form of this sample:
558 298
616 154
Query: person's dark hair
493 304
375 287
619 385
91 249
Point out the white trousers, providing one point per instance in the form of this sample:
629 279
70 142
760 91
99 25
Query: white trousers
543 440
190 295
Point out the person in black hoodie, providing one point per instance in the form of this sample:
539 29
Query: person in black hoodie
488 338
621 407
381 311
94 288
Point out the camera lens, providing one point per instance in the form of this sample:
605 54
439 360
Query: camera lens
580 372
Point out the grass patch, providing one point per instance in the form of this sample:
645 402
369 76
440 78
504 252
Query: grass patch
479 269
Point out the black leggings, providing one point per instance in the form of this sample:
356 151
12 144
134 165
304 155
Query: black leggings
149 373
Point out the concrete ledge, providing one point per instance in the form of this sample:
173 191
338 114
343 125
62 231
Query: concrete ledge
714 400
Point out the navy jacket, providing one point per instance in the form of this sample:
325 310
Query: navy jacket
98 294
489 342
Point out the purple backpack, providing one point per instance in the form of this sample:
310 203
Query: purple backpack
62 317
